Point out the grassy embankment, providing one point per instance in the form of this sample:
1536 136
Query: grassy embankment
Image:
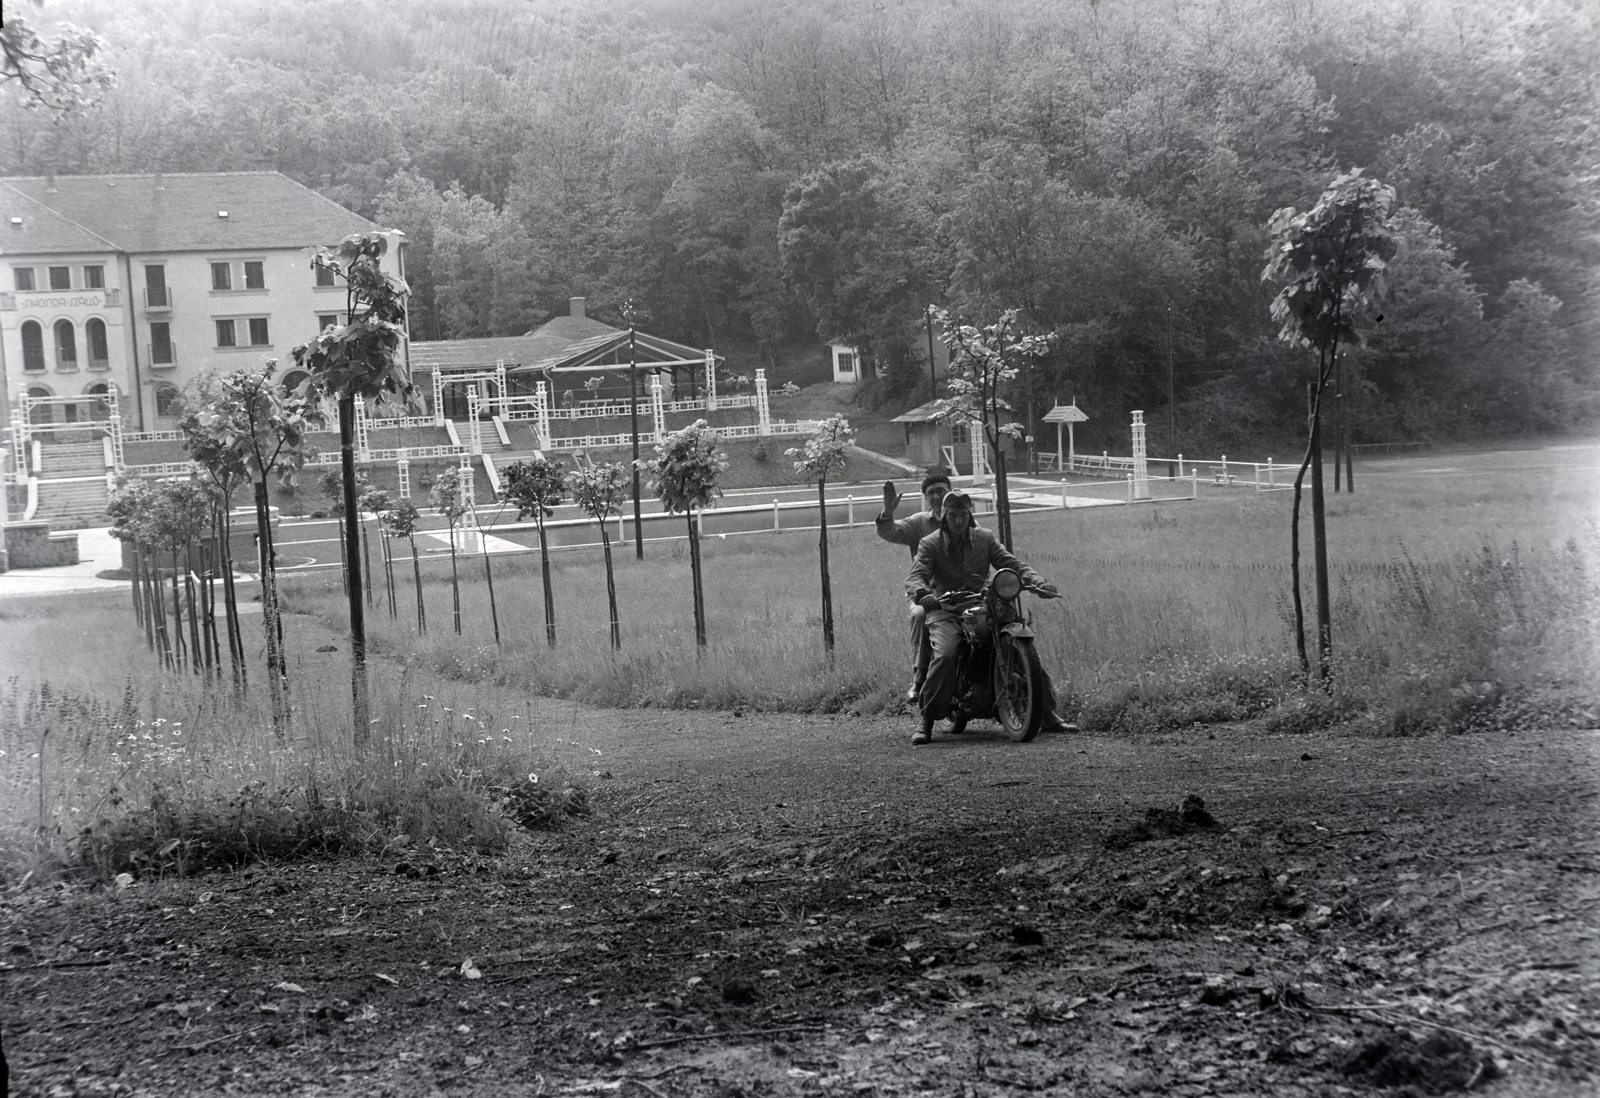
1458 604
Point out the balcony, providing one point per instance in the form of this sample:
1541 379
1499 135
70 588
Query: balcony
162 354
157 299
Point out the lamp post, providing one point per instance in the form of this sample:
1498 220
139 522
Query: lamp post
633 419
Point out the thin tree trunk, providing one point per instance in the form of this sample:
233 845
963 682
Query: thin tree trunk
488 575
366 556
544 569
388 573
611 589
181 647
699 591
455 582
1319 540
822 546
199 653
138 602
276 667
344 559
416 577
360 702
230 607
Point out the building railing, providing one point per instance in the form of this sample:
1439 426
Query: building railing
162 354
157 297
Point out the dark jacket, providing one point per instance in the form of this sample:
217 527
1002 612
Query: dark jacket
941 567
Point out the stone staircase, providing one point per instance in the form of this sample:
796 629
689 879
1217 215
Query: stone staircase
72 484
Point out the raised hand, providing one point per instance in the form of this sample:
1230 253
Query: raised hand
891 498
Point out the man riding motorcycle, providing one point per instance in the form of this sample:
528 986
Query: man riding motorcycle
957 557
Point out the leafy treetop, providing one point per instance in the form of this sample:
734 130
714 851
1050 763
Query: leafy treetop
599 489
400 521
449 496
250 427
534 486
982 361
684 472
825 450
1332 261
362 358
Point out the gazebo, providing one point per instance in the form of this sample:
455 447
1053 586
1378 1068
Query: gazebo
1068 414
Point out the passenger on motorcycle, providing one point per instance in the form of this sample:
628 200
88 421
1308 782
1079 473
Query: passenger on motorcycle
957 557
909 532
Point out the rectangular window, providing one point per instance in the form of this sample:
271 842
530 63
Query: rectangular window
94 278
24 277
222 276
61 278
161 343
155 287
324 276
255 276
327 320
225 334
258 331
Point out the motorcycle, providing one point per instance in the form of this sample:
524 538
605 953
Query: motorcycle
998 674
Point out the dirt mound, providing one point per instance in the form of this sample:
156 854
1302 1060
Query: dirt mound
1439 1065
1164 823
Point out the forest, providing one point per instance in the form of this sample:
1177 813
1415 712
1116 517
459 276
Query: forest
761 175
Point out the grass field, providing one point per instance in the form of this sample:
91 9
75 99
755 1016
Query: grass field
1460 601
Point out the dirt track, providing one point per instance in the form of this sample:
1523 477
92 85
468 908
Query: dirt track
777 904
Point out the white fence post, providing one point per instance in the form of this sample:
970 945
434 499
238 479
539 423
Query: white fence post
850 515
774 514
1063 495
1194 483
1180 466
1130 487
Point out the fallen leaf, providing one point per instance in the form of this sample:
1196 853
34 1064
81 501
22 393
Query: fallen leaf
386 978
469 970
287 986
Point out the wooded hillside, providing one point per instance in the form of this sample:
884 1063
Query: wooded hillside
759 174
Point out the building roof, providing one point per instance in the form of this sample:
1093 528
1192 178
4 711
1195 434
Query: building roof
922 413
1066 413
169 213
562 343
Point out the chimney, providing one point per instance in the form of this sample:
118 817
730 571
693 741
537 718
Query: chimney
575 307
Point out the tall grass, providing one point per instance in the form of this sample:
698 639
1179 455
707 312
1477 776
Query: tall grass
110 766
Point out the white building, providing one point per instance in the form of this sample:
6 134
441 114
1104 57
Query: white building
138 284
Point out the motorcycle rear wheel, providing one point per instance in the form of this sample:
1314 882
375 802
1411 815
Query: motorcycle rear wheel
1018 688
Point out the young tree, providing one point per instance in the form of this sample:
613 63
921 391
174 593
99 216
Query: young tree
449 498
535 486
375 501
822 453
359 359
401 522
983 361
600 491
684 477
1331 261
252 426
61 74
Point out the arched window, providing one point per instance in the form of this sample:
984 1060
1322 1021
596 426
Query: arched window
32 346
43 413
100 407
166 400
94 331
66 345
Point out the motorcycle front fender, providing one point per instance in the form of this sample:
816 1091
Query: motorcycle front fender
1016 629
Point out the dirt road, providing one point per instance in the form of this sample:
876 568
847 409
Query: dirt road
783 904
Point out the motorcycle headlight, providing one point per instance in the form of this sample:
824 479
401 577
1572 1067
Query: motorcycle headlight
1007 584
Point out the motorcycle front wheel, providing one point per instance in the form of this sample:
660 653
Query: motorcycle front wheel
1018 688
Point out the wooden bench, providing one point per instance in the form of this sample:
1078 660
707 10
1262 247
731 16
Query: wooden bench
1221 476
